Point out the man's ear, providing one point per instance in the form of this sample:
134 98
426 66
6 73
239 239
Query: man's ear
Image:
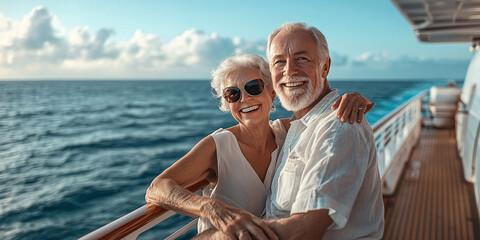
326 67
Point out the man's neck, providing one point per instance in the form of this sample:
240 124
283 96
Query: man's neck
302 112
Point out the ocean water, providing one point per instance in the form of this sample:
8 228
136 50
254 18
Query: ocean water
76 155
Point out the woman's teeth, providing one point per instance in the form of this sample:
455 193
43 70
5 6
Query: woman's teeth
249 109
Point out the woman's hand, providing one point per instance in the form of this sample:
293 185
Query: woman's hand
236 223
352 106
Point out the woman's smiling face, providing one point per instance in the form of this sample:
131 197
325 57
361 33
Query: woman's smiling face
250 110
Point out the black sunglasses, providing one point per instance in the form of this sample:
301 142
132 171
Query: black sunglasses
253 88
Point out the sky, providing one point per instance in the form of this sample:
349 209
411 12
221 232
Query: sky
86 39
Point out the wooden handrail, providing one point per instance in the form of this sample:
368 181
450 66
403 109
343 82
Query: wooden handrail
150 213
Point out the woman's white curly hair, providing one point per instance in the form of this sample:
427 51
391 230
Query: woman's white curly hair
233 65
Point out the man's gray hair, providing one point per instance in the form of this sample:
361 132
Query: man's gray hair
292 27
233 65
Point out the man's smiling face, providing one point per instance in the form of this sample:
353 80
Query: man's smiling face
295 67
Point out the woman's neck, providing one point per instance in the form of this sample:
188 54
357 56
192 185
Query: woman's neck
258 137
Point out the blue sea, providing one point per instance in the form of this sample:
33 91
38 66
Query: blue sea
76 155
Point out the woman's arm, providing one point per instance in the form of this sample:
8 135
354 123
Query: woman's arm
167 191
352 106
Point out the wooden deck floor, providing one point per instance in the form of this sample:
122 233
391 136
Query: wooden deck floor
433 201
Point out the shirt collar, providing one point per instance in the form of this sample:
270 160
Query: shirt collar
320 107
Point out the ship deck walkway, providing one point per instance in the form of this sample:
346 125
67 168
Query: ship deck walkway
432 201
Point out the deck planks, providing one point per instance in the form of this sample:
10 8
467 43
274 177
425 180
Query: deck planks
437 203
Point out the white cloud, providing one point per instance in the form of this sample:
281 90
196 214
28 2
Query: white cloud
39 46
371 58
195 48
33 40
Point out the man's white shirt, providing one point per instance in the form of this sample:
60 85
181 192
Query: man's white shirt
327 164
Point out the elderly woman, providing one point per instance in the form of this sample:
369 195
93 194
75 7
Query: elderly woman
239 161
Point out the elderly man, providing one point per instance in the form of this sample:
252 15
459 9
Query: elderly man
326 182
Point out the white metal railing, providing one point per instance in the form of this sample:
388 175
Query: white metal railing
395 136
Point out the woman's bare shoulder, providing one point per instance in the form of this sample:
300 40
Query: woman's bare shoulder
235 129
207 142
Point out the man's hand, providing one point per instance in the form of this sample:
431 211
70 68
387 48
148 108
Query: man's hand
212 234
352 106
236 223
310 225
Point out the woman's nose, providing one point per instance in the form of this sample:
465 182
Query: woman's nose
245 95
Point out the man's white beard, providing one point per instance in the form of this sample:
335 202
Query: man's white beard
298 99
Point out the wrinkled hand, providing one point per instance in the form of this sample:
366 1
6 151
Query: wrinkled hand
236 223
212 234
151 197
352 106
280 229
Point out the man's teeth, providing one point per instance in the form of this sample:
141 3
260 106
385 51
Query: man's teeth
293 84
249 109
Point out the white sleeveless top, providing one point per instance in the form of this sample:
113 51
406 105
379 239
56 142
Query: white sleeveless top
238 185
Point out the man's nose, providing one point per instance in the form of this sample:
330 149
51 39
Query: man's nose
290 68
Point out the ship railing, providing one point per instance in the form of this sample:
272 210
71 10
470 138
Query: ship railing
142 219
395 136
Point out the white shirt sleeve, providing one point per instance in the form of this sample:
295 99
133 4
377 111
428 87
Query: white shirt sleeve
334 171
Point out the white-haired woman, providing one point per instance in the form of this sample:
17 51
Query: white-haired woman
239 161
